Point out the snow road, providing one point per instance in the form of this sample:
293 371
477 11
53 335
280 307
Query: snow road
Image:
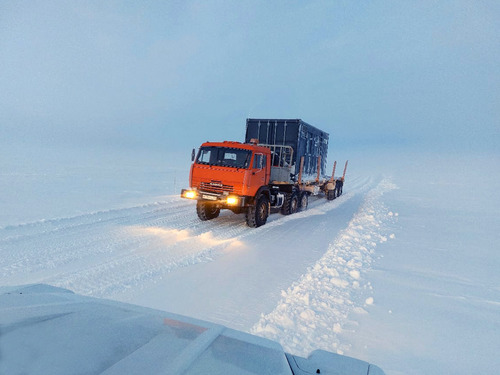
160 255
425 300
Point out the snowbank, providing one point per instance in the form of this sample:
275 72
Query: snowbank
313 311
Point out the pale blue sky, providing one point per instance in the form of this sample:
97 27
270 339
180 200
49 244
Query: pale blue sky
171 74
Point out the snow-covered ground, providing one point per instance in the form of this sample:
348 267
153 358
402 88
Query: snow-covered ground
401 271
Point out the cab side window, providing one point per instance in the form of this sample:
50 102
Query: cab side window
259 161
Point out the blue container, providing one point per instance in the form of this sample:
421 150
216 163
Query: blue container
305 139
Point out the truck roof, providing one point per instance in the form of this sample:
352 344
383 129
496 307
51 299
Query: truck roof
233 144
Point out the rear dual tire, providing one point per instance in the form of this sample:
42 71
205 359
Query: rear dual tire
291 204
338 187
303 201
330 194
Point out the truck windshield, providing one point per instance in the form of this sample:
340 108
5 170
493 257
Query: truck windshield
224 157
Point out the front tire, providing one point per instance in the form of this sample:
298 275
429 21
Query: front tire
207 211
257 214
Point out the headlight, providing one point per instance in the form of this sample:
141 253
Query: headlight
232 201
190 194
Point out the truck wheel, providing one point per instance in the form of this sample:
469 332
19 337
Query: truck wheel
207 211
291 204
339 186
330 195
304 201
257 214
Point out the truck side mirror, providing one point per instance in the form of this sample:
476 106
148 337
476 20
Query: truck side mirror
193 153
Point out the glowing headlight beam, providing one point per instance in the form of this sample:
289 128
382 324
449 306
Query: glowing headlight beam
232 201
190 194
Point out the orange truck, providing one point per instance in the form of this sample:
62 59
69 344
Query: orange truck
280 164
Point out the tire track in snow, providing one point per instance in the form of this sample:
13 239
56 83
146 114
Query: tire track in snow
167 248
12 232
160 250
313 311
109 252
51 244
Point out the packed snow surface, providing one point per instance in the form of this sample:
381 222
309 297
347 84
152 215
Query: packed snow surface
400 271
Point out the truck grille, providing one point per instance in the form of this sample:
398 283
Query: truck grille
216 187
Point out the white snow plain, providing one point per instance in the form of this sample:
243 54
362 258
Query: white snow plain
401 271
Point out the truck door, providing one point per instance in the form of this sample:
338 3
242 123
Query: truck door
258 176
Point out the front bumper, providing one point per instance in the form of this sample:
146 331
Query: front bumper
223 200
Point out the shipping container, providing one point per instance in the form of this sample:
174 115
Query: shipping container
305 140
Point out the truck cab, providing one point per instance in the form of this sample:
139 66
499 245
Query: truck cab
225 168
228 175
